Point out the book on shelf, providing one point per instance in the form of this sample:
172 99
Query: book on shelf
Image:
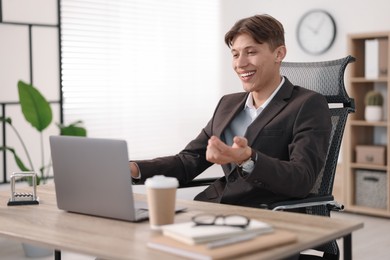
375 55
189 233
204 251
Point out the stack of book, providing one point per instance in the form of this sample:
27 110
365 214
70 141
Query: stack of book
218 242
375 56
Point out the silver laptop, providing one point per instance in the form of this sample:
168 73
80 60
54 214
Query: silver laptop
92 176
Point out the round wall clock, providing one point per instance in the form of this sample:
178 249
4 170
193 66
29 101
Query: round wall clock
316 31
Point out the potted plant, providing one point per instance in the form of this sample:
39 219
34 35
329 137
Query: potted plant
37 111
374 106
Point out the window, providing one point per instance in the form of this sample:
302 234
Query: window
141 70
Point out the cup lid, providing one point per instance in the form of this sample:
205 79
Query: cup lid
161 182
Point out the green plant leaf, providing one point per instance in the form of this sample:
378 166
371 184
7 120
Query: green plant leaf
18 161
35 108
72 129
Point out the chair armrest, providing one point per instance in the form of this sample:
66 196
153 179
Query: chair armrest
193 183
309 201
199 182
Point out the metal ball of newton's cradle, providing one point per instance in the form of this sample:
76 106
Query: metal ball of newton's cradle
23 198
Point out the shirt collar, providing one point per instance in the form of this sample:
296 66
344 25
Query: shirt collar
249 100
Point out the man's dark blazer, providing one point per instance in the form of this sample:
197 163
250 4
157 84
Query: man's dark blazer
290 137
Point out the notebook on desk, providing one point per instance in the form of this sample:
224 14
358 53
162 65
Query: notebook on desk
92 176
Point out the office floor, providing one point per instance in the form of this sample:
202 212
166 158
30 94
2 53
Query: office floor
371 242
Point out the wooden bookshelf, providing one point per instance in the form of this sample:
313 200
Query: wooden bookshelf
361 132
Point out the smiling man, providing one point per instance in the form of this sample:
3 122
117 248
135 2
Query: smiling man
271 140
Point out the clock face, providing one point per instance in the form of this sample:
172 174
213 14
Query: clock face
316 32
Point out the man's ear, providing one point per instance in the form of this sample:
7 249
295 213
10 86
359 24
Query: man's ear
280 53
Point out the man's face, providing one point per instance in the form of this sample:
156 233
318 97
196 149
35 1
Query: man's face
254 63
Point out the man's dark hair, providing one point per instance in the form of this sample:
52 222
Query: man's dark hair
263 29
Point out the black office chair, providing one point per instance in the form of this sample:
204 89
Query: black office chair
327 78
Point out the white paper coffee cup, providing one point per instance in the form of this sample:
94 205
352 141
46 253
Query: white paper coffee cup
161 196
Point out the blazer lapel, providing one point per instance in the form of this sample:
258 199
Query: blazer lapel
227 114
273 108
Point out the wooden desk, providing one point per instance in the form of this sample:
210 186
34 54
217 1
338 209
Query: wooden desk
46 225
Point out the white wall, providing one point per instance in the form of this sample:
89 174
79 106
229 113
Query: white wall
351 16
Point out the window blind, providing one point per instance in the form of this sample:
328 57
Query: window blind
141 70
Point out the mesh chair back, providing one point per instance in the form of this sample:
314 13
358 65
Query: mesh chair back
327 78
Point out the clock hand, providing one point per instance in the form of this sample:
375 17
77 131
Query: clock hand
313 30
319 25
